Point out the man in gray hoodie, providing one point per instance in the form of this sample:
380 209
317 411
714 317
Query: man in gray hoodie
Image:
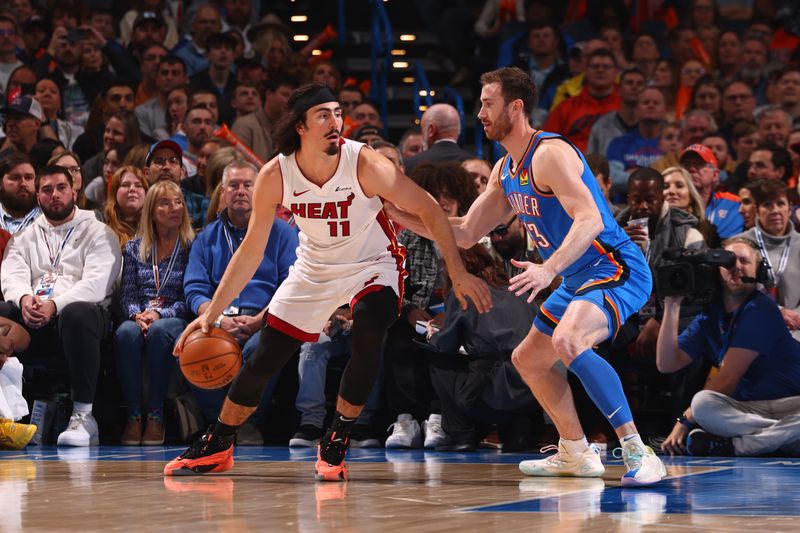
57 278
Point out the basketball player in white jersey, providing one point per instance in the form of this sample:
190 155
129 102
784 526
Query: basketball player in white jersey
348 254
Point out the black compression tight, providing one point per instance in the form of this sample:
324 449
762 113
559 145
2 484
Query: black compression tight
274 349
372 316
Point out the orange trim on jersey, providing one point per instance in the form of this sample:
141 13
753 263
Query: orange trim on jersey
613 306
726 196
547 313
599 247
292 331
614 277
524 155
540 192
398 251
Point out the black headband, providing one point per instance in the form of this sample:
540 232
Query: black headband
323 95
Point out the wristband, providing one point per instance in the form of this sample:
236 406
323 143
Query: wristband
686 422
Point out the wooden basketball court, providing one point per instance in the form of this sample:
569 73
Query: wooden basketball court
272 489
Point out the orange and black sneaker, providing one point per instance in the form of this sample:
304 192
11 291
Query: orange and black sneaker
210 454
330 458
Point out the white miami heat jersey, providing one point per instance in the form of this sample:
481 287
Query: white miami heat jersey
339 224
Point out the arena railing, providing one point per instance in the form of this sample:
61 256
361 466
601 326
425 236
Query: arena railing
381 56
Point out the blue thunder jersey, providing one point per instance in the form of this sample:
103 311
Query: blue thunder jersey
543 215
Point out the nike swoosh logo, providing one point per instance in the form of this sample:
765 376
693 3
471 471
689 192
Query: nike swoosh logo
299 193
615 412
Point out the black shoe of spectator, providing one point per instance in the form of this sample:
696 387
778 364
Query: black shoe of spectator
361 436
307 436
249 435
701 443
452 444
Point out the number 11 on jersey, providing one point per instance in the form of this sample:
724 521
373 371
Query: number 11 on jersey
343 224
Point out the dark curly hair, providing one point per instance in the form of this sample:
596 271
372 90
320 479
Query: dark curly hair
287 138
450 179
480 263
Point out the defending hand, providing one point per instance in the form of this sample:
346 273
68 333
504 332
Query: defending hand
535 278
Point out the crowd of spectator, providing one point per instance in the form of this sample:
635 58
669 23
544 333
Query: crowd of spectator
131 142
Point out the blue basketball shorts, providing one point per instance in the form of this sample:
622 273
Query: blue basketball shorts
618 282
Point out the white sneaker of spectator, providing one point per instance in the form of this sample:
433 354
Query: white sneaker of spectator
434 434
81 431
406 433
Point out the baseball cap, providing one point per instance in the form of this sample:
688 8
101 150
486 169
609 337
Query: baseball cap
24 105
172 145
576 49
149 16
703 151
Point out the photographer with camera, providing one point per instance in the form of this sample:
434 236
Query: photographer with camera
779 244
750 406
652 224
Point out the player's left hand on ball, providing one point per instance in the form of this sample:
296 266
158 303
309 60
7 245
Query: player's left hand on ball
468 286
202 322
535 278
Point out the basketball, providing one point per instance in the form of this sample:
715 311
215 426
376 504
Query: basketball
210 361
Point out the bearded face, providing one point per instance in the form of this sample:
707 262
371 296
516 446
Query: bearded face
500 128
58 211
22 200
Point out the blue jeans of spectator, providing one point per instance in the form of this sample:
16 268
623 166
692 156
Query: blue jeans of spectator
130 344
312 368
210 401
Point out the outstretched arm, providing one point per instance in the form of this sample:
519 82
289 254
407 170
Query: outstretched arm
244 263
488 211
379 177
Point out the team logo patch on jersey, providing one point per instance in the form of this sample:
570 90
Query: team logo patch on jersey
722 213
523 176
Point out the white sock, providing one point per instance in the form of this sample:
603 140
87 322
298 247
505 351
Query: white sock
79 408
575 447
633 437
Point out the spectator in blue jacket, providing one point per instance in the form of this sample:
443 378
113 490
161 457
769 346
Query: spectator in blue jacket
210 255
152 297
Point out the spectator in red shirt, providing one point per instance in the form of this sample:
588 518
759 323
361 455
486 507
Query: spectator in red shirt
575 116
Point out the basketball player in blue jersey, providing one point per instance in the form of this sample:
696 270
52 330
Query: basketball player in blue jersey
545 180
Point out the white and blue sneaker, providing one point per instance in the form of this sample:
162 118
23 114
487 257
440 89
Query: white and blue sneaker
562 463
644 466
